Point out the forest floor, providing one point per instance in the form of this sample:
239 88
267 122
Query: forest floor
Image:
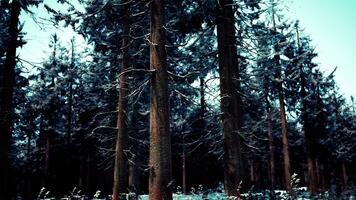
300 193
279 195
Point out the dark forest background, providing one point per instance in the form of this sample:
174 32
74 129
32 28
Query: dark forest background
239 100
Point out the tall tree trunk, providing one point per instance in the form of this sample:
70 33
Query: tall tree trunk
70 96
344 174
160 141
287 170
252 172
134 165
121 162
88 172
230 98
270 142
81 178
282 112
6 104
318 174
202 101
47 157
27 175
306 127
135 173
184 177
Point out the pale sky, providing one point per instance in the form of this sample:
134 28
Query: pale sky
331 24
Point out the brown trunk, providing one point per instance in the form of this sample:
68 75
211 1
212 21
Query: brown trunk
160 141
282 112
6 102
287 170
184 178
121 162
311 171
313 188
230 98
270 142
344 174
252 173
256 170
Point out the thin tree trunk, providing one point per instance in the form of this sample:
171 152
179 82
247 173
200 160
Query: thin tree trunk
70 96
270 142
121 162
47 157
282 112
317 173
88 173
311 171
81 180
134 174
27 175
134 165
184 178
344 174
160 141
230 98
202 100
252 173
323 177
6 103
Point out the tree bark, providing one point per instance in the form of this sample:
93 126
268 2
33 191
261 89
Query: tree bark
184 177
6 104
282 113
287 170
344 174
202 101
121 162
47 157
270 142
160 141
230 97
70 97
310 158
306 127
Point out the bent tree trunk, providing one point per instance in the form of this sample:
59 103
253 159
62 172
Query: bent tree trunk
160 141
6 104
121 162
230 98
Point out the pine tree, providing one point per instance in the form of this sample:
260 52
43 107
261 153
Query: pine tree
160 144
121 163
230 99
6 106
